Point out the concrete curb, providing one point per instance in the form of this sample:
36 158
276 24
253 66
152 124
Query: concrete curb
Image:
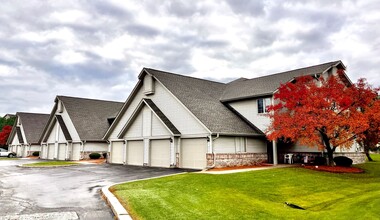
118 210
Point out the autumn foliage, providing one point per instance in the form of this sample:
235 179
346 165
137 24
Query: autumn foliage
319 112
4 134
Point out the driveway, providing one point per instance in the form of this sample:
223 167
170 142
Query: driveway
63 192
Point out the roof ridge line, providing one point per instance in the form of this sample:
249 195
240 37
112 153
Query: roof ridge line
192 77
74 97
295 69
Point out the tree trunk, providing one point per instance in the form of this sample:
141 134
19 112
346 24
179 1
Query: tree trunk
330 154
330 150
367 154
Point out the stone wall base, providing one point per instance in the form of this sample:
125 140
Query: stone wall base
236 159
356 157
86 155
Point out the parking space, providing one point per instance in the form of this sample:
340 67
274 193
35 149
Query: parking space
63 191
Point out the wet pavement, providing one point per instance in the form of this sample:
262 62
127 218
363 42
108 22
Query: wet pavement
63 192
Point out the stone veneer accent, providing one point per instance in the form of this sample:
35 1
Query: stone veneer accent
86 154
235 159
356 157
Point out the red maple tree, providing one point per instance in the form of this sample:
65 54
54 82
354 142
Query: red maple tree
319 112
371 137
4 134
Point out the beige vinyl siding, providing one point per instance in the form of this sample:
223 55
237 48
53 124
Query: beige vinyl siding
52 135
146 124
160 153
135 153
15 141
256 145
248 108
136 128
158 128
225 145
117 152
96 147
35 147
193 153
147 121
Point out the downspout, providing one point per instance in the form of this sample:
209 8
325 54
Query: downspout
108 151
213 151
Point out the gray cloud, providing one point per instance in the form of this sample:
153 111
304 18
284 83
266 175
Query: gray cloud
96 49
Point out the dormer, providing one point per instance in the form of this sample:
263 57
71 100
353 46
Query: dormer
148 85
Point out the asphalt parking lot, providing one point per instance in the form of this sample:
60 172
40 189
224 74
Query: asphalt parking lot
63 192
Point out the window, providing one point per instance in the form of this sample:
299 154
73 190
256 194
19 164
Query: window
263 104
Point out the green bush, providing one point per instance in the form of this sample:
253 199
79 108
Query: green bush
320 161
95 156
343 161
36 153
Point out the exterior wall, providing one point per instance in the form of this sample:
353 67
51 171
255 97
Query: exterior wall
185 122
248 108
255 145
239 159
69 124
95 147
356 157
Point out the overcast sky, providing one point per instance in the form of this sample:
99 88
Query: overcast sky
96 49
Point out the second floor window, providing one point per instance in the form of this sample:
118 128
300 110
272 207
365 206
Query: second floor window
263 104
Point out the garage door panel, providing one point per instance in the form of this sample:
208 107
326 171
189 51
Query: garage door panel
193 153
51 149
75 153
117 152
135 153
160 153
61 151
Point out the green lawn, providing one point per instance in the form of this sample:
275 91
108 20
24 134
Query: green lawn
51 164
8 158
257 195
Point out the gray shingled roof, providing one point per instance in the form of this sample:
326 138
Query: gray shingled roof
201 97
245 88
33 125
89 116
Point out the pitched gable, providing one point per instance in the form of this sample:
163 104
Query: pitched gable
90 116
266 85
140 124
201 97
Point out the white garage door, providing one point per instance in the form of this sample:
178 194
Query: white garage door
25 151
117 152
43 152
193 153
135 153
75 153
51 151
61 151
160 153
19 151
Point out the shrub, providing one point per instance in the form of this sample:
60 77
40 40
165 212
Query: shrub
36 153
343 161
105 155
94 156
320 161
